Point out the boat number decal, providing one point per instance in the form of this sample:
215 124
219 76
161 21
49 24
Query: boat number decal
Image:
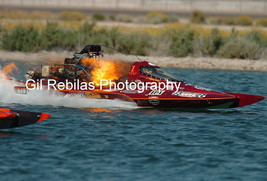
189 94
21 91
77 95
156 92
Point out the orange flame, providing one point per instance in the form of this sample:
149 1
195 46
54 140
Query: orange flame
8 69
105 69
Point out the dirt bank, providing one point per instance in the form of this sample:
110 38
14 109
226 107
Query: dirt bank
187 62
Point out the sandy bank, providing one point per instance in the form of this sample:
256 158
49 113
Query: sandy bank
187 62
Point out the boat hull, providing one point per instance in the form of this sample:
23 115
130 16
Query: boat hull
16 118
212 100
188 104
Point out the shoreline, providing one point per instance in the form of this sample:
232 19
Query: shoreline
185 62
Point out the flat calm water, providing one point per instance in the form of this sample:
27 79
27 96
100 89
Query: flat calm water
113 141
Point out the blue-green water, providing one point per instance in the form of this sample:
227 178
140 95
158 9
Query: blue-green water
117 141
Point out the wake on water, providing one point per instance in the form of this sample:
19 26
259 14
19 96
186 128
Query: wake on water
47 98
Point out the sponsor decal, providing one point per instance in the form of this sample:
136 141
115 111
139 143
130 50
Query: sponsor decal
154 102
153 79
130 91
156 92
132 72
202 88
153 97
189 94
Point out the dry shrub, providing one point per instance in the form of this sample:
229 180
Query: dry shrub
42 15
244 20
197 16
261 22
71 16
14 14
157 17
241 20
98 17
241 48
126 18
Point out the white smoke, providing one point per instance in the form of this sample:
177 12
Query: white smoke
55 99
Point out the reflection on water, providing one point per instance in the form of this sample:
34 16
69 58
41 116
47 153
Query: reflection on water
101 110
18 134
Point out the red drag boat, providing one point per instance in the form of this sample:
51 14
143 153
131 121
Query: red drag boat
181 96
14 118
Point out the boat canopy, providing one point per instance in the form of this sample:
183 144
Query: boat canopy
157 72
